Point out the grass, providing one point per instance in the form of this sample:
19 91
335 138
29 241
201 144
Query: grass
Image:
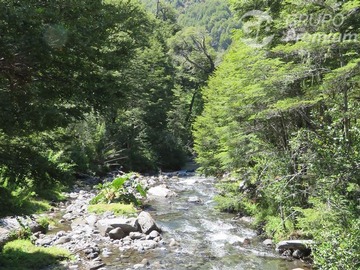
23 255
116 208
28 207
19 202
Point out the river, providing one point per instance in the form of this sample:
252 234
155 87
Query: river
205 238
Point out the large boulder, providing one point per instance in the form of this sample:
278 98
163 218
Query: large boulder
301 245
147 223
127 225
160 191
5 236
15 224
9 226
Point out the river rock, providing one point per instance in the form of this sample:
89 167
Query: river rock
268 242
194 199
46 241
117 233
156 265
147 223
146 244
95 265
136 235
62 240
145 262
160 191
153 234
302 245
139 266
298 254
78 222
173 243
104 229
18 223
68 216
5 237
91 220
248 220
126 224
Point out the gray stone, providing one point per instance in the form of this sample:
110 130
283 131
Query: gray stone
5 237
298 254
78 222
294 244
160 191
268 242
60 233
95 265
156 265
246 219
146 244
46 241
153 234
92 255
68 216
173 243
62 240
126 224
246 241
104 229
157 239
16 224
194 199
91 220
147 223
136 235
117 233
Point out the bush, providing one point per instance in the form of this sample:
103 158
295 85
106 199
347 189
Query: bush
122 189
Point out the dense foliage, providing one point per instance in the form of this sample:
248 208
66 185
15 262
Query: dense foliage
125 189
214 16
281 116
91 86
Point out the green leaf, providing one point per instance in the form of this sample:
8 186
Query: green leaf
118 182
141 190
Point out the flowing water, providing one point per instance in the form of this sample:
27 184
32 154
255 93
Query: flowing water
207 239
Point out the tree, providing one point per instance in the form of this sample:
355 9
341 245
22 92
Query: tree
282 119
56 66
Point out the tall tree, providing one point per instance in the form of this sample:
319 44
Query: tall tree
283 118
57 64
